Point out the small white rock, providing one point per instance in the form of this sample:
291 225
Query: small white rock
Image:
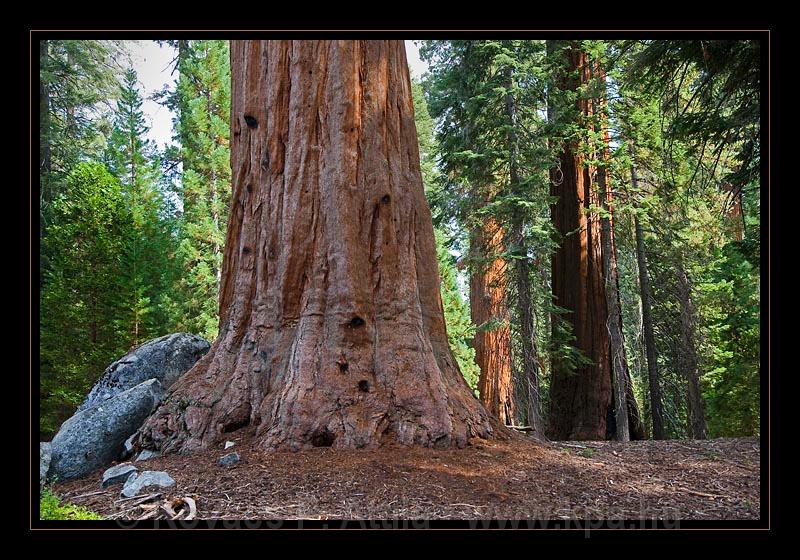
229 444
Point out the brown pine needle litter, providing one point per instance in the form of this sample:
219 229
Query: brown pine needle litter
711 479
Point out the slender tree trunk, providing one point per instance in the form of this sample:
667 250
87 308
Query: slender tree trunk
528 343
522 277
488 307
654 385
331 324
214 204
691 369
618 362
135 201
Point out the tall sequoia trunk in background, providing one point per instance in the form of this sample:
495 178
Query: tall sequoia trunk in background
331 324
581 397
689 362
487 304
628 422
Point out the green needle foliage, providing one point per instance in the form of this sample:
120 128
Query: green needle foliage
460 329
147 250
202 132
80 327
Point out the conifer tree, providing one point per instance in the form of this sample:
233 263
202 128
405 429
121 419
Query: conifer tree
202 131
132 158
77 79
80 303
332 331
487 97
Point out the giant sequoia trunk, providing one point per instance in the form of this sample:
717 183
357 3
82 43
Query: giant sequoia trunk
489 311
581 400
331 323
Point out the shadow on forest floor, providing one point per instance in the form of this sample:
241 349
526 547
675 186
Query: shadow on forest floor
676 480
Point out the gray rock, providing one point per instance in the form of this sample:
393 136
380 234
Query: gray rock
45 456
229 459
148 454
118 474
134 485
229 444
127 447
94 437
165 359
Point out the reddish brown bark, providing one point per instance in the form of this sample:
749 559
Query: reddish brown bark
581 397
628 420
331 323
488 305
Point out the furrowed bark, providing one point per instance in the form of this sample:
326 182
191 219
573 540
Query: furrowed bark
581 397
331 323
488 307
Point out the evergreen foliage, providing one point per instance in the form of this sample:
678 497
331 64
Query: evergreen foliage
202 132
456 310
132 238
81 330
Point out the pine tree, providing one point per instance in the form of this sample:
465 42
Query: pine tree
77 78
202 103
688 109
131 157
80 305
458 70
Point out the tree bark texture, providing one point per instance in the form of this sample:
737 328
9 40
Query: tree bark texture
331 324
581 398
488 306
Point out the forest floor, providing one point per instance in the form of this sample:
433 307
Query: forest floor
676 480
